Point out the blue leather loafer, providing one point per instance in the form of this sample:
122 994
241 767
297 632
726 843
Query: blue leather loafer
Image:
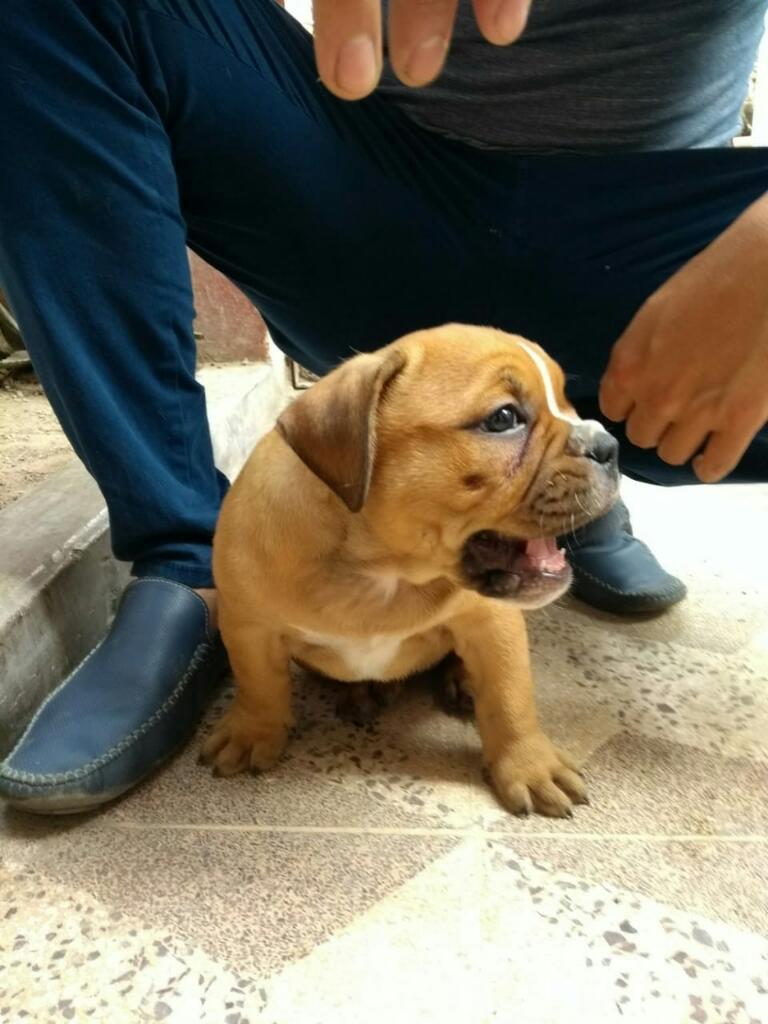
127 707
616 572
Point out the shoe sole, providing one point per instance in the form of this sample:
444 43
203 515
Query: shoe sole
52 805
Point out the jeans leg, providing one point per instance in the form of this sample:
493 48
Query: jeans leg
345 223
93 260
139 128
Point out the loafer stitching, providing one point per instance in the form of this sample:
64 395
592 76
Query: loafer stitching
14 775
87 658
9 772
51 696
658 596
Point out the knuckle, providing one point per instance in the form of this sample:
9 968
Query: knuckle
430 6
624 361
417 11
739 413
666 400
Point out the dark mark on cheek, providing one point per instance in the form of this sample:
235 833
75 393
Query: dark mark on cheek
520 451
474 481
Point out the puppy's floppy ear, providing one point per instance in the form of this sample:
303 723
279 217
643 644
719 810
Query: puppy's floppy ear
332 425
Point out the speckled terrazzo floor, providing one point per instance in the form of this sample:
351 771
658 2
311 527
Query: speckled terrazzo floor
372 877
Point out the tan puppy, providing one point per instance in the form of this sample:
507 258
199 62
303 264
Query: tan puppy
404 508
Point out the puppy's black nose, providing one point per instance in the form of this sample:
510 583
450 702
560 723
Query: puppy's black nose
604 448
591 440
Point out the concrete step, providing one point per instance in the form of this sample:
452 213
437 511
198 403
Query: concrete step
59 583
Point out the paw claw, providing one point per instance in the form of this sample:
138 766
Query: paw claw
239 741
532 773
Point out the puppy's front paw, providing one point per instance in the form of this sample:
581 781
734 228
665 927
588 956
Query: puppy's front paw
532 774
241 741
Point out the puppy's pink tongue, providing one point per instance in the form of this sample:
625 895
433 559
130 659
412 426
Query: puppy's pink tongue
545 555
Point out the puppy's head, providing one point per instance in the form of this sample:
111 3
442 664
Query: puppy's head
459 449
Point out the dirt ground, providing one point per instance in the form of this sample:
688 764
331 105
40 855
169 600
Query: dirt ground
32 445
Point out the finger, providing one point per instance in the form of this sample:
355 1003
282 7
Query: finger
502 21
348 45
646 425
615 402
418 36
683 439
725 449
616 392
619 386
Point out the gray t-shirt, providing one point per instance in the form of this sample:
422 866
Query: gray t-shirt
596 75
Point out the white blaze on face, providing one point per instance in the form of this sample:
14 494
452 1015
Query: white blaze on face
594 426
549 389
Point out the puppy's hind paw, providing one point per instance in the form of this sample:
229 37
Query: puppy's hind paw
361 703
453 692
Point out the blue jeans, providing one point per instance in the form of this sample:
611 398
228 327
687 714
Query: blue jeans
133 127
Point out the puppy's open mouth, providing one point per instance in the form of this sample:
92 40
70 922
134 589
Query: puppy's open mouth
533 571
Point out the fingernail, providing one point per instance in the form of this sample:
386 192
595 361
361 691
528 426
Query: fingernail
510 17
425 60
356 70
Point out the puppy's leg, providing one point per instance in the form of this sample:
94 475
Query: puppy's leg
253 732
528 771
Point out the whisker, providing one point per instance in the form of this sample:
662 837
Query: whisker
580 503
567 540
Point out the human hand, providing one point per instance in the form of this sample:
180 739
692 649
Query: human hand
690 372
348 38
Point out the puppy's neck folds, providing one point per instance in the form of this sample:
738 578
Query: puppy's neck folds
388 570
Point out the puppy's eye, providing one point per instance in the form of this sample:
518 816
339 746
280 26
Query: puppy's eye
503 420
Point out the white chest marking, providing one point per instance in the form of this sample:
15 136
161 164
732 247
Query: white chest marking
549 390
365 657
